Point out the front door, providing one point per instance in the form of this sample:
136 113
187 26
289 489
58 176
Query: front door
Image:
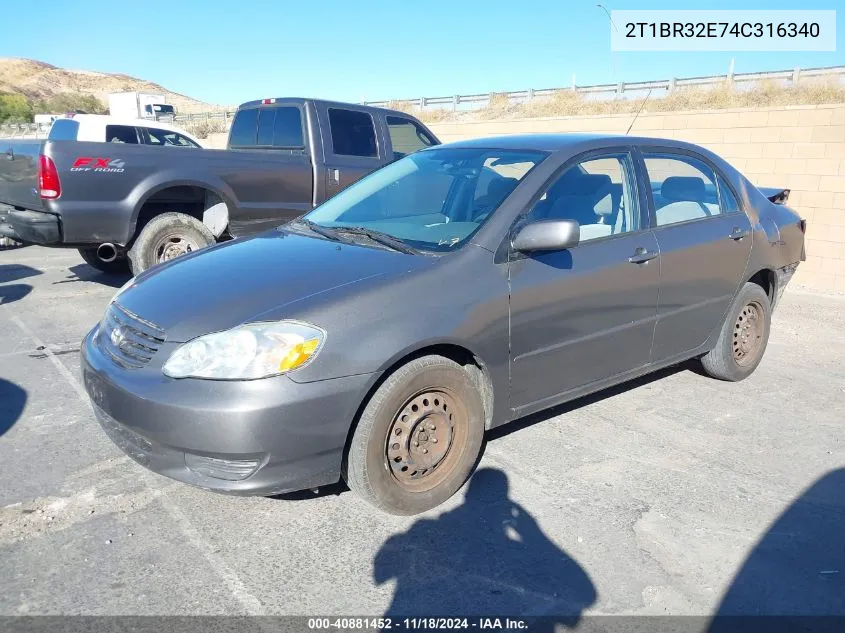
353 147
705 243
582 315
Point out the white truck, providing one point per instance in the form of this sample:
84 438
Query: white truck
140 105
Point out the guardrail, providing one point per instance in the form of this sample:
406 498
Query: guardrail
223 118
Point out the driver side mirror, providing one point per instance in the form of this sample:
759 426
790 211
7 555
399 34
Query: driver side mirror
547 235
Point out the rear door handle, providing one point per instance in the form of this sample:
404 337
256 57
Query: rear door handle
642 256
738 233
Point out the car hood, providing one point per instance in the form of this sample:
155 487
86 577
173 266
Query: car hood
233 283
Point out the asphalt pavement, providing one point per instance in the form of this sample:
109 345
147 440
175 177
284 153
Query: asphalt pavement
675 494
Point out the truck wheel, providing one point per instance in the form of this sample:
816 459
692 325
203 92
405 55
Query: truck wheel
117 266
743 338
166 237
418 438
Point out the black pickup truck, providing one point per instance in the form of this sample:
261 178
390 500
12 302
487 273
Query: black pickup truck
138 204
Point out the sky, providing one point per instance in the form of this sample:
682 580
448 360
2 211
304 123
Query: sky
355 50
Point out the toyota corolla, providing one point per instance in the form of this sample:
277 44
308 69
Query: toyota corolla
378 337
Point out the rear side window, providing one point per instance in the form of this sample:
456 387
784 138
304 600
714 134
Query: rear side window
407 136
121 134
268 127
63 130
353 133
244 128
682 187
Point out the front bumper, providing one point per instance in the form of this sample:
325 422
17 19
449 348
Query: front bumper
34 227
258 437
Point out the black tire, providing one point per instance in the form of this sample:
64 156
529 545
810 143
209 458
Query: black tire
167 236
744 336
119 266
440 401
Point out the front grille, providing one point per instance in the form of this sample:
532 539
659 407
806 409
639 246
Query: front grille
127 339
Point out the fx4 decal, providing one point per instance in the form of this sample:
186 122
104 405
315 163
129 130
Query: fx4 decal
99 164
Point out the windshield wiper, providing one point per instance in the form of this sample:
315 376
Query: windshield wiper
382 238
318 228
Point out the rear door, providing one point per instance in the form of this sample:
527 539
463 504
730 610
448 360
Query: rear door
270 172
705 243
354 145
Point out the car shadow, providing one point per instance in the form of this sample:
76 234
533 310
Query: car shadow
547 414
796 569
13 292
15 272
12 402
84 272
487 557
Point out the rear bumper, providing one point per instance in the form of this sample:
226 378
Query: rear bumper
34 227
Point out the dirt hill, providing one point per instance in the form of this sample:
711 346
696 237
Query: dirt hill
38 80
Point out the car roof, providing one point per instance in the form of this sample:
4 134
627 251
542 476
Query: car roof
565 141
339 104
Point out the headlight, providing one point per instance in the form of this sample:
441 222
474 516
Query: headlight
255 350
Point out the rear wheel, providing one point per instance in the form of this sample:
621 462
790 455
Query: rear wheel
418 438
743 338
165 237
117 266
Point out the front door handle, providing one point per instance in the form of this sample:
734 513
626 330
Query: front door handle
641 256
738 233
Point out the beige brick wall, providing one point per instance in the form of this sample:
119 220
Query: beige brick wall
798 147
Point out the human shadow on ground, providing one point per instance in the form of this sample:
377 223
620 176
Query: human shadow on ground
12 402
487 557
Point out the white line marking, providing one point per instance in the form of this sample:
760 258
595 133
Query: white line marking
249 602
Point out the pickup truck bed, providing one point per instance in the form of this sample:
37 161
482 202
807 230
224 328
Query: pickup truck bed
285 157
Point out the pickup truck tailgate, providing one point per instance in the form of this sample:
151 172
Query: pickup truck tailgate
19 173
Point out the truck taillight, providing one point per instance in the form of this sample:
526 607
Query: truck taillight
49 186
268 101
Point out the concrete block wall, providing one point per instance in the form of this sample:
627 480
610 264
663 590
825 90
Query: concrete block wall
798 147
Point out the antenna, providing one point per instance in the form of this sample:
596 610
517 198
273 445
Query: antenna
642 105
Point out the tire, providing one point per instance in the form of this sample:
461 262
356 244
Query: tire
118 266
744 336
165 237
443 413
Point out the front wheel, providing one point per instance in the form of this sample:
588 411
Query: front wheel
166 237
744 336
418 437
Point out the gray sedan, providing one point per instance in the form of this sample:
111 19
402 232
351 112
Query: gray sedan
458 289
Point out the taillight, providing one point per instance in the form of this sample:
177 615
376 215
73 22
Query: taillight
49 186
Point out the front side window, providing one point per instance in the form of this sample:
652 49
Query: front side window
682 187
353 133
169 138
598 193
428 199
121 134
407 136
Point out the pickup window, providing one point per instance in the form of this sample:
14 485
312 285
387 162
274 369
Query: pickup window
268 127
169 138
63 130
121 134
353 133
406 136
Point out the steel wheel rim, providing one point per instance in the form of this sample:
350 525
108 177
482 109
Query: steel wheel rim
173 245
424 439
748 332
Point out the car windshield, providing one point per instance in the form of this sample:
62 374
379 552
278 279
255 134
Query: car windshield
431 200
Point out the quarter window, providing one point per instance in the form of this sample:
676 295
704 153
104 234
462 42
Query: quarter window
406 136
683 188
353 133
598 193
726 195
